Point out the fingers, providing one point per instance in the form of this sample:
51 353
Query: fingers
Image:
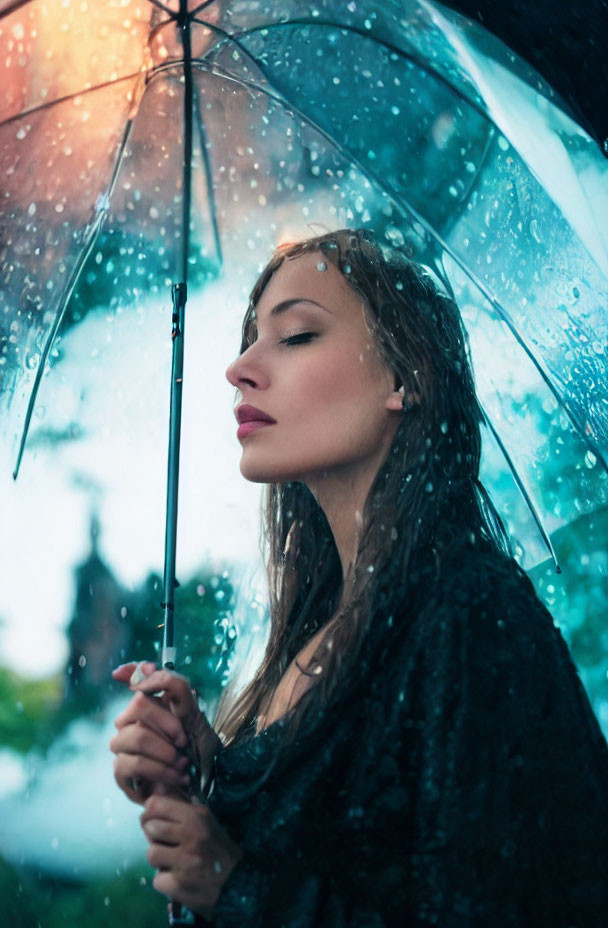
172 810
160 831
130 768
152 714
124 672
175 688
141 740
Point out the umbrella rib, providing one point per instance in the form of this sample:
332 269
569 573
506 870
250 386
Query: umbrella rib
69 288
71 96
209 180
406 207
521 487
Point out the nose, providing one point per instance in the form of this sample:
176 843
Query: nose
245 371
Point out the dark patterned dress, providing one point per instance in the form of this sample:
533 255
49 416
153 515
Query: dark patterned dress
460 782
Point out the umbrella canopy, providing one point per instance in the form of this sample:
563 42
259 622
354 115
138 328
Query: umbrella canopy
150 143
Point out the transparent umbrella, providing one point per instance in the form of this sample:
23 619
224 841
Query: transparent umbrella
153 148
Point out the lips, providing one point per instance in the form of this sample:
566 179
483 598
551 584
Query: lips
250 420
247 413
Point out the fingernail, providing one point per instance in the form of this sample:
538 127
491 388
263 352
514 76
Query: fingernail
137 676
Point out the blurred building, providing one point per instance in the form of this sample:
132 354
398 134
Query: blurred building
98 634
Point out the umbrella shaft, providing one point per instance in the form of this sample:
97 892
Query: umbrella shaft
178 293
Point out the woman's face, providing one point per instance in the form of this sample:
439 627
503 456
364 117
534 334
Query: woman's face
316 372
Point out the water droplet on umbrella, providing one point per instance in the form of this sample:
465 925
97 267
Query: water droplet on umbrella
590 460
394 236
534 231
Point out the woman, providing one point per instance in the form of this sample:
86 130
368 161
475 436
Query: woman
416 747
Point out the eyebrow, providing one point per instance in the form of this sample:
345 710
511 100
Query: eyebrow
287 304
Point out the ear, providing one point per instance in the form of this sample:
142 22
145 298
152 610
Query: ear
394 400
399 400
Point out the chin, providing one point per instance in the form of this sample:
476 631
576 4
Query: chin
264 472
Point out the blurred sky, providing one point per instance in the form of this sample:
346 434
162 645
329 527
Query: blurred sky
113 380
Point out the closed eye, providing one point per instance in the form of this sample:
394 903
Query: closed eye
300 339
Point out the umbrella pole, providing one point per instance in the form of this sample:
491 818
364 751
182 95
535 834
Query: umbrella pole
178 294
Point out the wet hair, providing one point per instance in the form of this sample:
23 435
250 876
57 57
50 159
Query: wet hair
426 495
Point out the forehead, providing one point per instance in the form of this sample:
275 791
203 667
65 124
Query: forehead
309 276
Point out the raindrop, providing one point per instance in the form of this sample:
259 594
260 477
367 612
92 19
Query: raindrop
444 427
534 231
153 212
82 661
590 460
200 590
576 292
31 209
502 143
429 487
321 266
58 207
399 285
395 110
394 236
347 269
123 612
370 569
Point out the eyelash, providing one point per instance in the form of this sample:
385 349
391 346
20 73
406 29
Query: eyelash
302 338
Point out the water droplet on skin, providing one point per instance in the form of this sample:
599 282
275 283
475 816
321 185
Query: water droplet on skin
321 266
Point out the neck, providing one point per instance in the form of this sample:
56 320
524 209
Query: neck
342 496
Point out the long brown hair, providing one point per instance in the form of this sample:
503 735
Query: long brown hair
426 494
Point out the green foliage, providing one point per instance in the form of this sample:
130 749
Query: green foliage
125 899
28 710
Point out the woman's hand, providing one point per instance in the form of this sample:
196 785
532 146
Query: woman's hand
192 853
161 733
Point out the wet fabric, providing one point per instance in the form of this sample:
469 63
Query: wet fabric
463 782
